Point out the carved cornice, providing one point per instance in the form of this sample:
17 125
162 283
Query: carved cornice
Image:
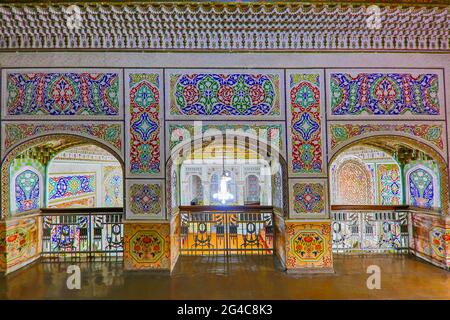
224 26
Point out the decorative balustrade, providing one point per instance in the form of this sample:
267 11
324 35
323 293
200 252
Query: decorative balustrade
93 233
370 229
226 230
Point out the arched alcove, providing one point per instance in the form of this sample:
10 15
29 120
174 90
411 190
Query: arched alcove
39 152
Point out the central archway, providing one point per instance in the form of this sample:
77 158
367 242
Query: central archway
276 169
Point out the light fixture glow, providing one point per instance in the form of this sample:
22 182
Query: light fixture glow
223 195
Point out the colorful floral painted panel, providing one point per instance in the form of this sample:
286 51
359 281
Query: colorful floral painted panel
111 133
421 188
145 126
306 133
430 237
69 187
308 198
22 242
27 191
438 239
389 184
67 94
145 199
147 246
432 133
217 94
308 245
384 94
113 187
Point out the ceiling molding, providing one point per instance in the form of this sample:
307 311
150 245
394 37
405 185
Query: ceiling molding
224 26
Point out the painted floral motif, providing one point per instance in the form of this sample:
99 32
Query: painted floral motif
384 94
438 239
224 94
66 187
27 191
308 245
16 241
421 188
309 198
63 94
22 241
390 185
145 199
305 123
144 124
147 246
113 183
430 132
109 133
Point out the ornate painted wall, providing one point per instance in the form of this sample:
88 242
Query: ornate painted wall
142 107
430 238
23 244
365 176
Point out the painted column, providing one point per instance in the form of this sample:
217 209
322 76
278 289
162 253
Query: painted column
147 229
308 227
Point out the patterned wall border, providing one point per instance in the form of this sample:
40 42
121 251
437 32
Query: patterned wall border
140 197
313 193
5 95
431 133
414 72
109 133
128 125
279 90
322 125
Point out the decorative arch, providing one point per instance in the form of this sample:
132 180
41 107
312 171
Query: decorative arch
277 161
72 140
435 153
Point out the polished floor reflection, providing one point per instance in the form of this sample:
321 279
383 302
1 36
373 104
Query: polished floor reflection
246 277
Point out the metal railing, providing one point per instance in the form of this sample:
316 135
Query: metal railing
92 233
370 229
226 230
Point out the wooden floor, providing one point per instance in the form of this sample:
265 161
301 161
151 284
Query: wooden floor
250 277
